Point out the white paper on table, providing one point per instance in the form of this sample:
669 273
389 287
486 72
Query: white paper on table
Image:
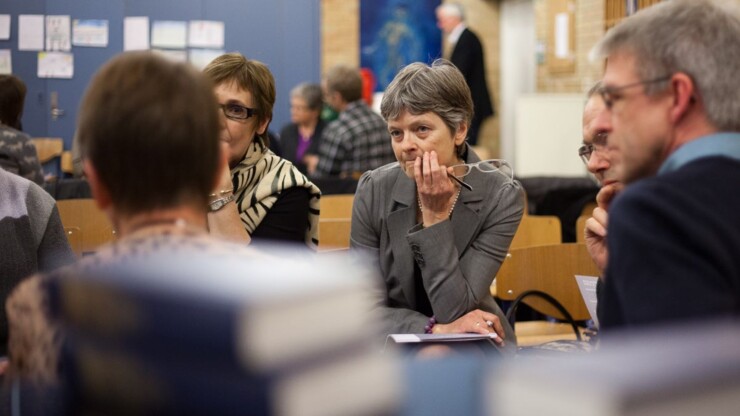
206 34
4 26
31 32
199 58
175 56
169 34
56 65
90 32
135 33
58 33
561 36
6 66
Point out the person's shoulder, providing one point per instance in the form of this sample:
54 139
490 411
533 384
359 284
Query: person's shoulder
380 176
7 132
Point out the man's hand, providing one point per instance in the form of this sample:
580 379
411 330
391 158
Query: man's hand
597 225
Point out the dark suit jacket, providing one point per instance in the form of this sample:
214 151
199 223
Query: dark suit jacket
673 247
468 58
458 258
289 143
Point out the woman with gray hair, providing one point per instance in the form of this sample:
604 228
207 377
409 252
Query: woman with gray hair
300 138
439 222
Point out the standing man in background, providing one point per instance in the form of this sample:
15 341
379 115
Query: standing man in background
467 55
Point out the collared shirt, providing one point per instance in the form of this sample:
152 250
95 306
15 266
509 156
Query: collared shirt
456 32
355 142
718 144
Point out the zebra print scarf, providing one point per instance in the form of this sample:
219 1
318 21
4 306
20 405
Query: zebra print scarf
258 181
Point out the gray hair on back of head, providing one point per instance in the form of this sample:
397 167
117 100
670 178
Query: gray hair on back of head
700 38
310 93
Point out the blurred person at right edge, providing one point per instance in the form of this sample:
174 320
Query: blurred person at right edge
670 88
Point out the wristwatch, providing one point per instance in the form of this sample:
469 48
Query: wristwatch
219 203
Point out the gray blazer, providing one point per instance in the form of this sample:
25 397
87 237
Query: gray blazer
458 258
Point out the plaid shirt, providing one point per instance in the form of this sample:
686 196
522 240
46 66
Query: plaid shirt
355 142
18 155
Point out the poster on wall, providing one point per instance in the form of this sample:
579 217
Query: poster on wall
135 33
169 34
58 33
6 65
91 32
395 33
56 65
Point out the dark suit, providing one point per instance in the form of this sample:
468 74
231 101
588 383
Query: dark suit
467 56
673 247
457 259
289 143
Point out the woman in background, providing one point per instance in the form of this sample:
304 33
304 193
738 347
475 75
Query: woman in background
259 195
300 139
437 243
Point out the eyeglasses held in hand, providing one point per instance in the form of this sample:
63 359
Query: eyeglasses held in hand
486 166
611 94
598 145
236 111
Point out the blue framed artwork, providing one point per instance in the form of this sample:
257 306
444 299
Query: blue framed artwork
394 33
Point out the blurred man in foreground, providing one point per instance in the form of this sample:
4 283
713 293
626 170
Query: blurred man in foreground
671 90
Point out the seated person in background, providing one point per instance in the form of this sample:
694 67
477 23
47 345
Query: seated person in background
159 207
300 139
358 140
671 90
17 152
437 246
595 154
259 195
32 238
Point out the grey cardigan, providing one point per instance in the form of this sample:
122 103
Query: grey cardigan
458 258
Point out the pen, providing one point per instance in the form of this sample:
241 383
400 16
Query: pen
460 181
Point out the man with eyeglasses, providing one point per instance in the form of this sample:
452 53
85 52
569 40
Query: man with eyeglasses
595 154
673 98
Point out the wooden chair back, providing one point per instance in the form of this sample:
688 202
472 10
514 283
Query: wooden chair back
74 237
94 227
334 233
67 163
48 148
550 269
580 226
537 230
336 206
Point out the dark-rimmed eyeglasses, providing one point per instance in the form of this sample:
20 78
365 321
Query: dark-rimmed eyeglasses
598 145
236 111
611 94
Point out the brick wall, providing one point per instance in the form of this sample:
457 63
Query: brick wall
589 28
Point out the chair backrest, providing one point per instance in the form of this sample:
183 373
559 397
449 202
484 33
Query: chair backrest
74 237
94 227
537 230
334 233
67 164
550 269
337 206
48 148
580 226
